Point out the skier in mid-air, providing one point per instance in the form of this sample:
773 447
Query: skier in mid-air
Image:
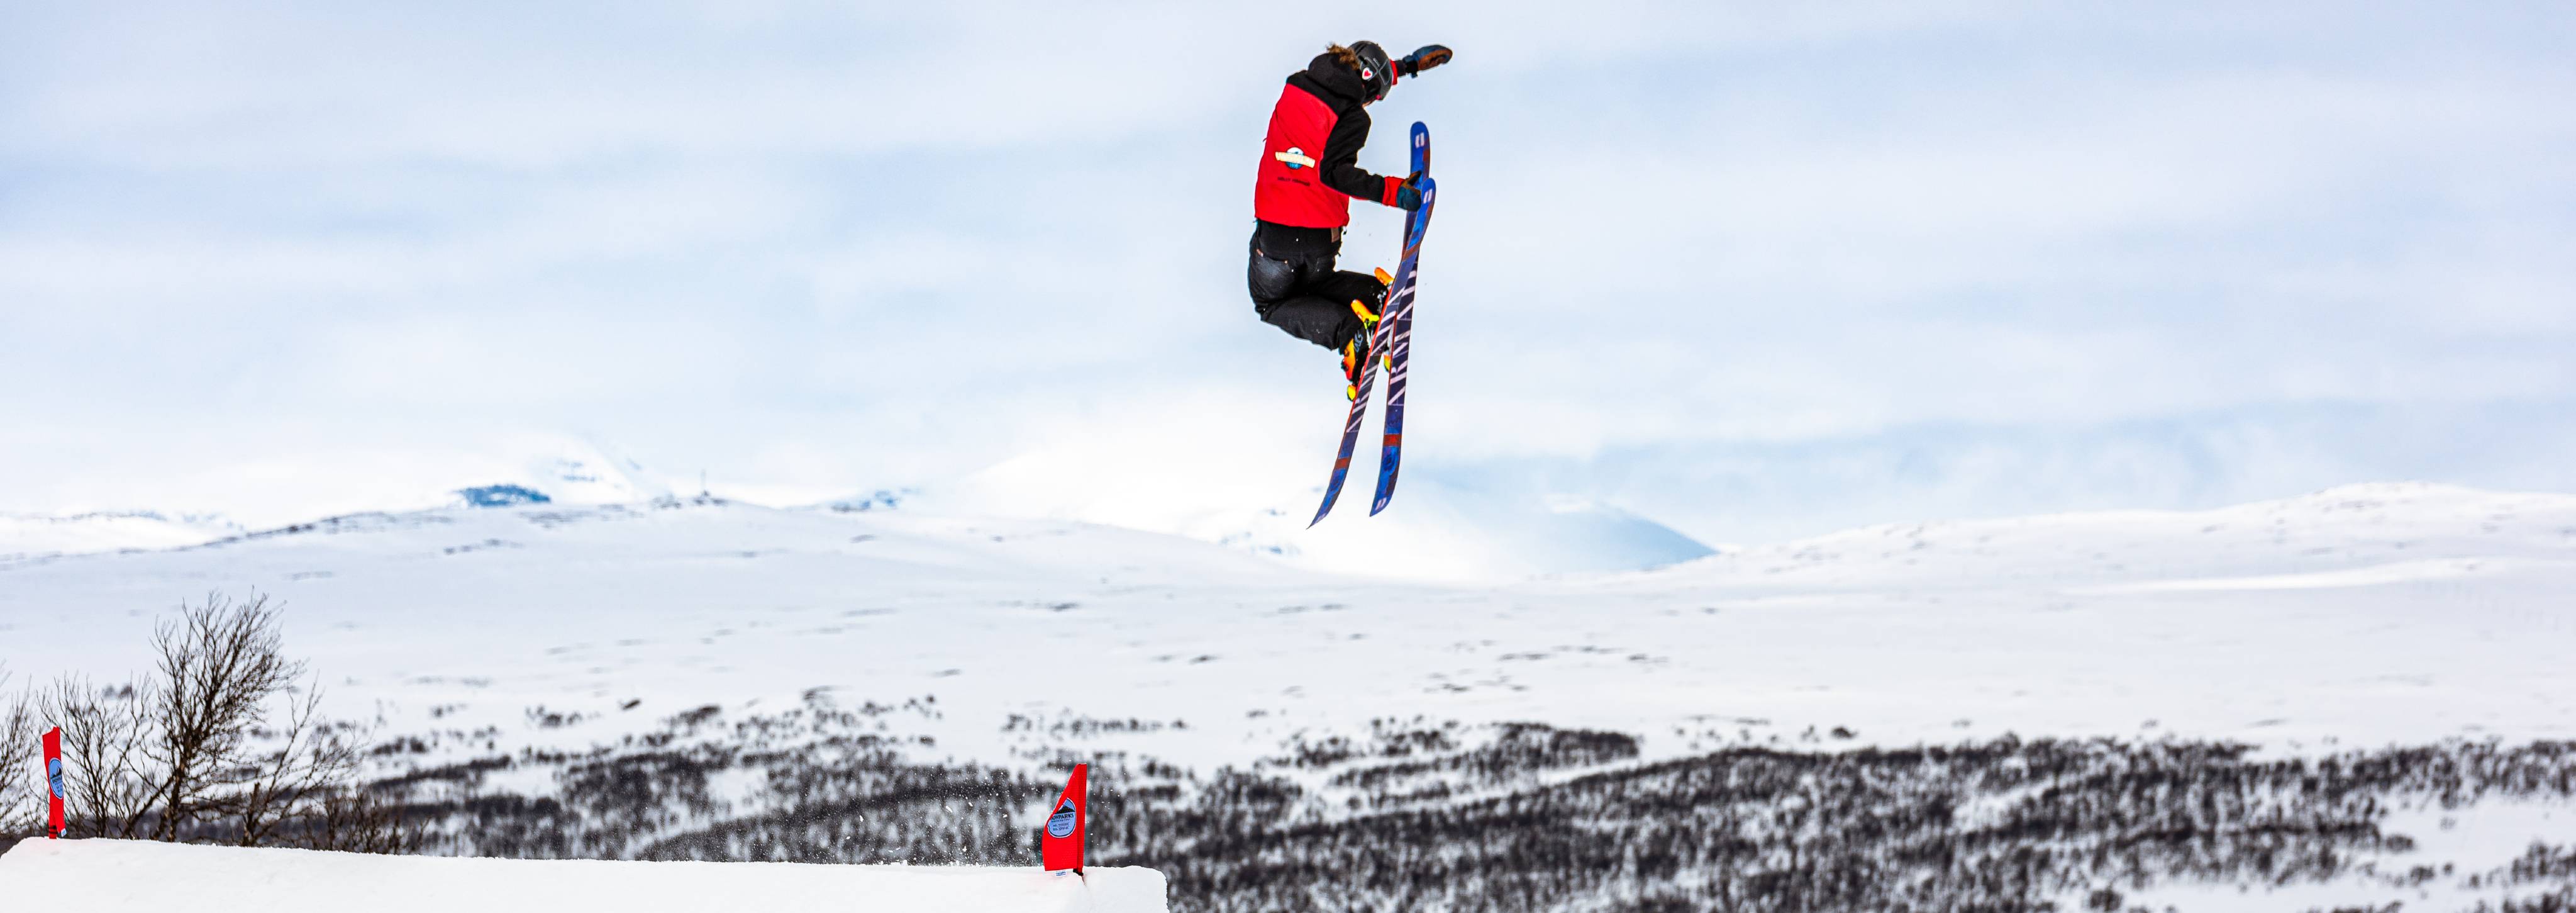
1309 173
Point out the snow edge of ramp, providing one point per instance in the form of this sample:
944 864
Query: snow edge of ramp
140 875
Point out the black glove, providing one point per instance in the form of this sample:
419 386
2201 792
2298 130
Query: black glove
1428 56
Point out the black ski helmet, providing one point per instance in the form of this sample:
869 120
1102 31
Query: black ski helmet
1377 73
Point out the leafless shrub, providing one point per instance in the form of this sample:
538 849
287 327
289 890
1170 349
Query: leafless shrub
355 821
22 799
312 760
219 666
189 753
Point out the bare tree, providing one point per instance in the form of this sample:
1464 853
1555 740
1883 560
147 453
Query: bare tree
188 753
22 796
220 664
353 821
310 760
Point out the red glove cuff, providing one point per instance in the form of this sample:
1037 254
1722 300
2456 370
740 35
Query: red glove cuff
1392 184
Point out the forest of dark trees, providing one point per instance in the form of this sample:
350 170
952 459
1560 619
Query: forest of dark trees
1529 817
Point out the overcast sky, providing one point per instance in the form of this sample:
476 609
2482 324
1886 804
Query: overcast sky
1753 269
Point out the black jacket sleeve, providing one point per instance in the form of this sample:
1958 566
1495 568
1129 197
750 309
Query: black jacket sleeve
1341 160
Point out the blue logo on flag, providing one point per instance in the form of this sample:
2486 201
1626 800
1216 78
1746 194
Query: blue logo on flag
54 775
1060 824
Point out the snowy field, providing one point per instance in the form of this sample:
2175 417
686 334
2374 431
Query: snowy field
501 645
132 875
2370 615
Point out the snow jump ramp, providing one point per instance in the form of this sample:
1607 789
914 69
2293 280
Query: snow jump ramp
105 875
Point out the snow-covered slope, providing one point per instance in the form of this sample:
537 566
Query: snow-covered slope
574 471
1441 527
2352 535
558 469
116 875
25 535
2374 614
1435 528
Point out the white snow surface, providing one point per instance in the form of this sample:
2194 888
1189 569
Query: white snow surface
227 498
1433 529
1197 486
28 535
110 875
2360 616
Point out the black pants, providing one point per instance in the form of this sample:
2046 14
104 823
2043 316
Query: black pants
1302 294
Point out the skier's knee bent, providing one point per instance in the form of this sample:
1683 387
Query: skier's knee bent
1294 286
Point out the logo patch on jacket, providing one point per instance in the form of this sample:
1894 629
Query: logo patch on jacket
1296 158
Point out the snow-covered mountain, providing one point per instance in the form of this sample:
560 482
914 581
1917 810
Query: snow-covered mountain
1434 531
543 469
573 471
24 535
1436 528
2351 536
1439 529
2374 613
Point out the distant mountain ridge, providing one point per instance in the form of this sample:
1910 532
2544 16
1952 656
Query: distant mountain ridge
1447 533
101 531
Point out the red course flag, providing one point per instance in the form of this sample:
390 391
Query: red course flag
54 781
1061 846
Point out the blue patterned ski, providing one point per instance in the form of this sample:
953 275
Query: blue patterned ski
1399 293
1399 323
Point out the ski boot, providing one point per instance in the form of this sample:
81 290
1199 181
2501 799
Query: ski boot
1385 360
1355 356
1356 353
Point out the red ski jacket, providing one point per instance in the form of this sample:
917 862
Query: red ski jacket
1310 162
